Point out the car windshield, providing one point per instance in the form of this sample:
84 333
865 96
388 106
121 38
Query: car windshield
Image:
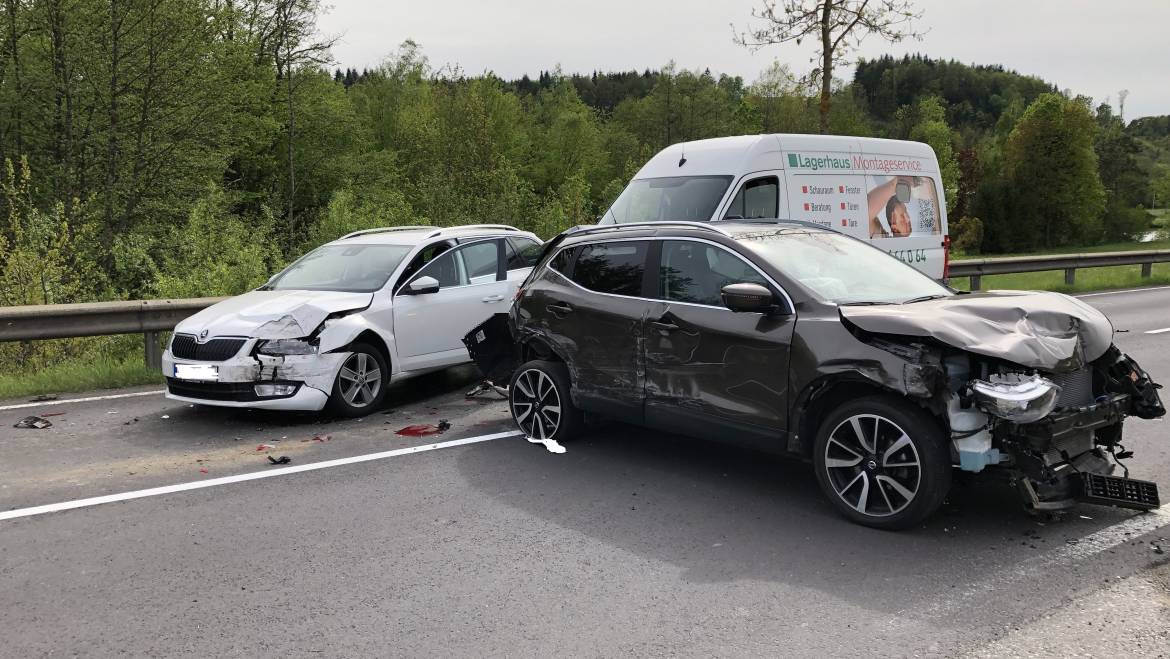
346 268
841 269
691 198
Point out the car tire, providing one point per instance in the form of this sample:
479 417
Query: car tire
357 388
536 387
882 462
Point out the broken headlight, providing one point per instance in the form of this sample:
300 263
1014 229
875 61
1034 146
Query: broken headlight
281 347
1015 397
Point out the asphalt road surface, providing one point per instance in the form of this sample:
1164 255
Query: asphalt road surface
629 544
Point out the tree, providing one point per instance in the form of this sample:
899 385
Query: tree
931 127
1056 192
838 26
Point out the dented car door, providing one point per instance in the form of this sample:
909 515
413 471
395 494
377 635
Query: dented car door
709 369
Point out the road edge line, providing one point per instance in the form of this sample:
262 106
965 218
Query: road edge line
63 401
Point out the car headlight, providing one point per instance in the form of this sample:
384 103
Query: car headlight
1015 397
280 347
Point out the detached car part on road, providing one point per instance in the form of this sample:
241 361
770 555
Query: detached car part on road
337 325
791 338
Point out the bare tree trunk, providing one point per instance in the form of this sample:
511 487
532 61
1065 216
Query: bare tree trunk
112 136
18 120
63 112
826 63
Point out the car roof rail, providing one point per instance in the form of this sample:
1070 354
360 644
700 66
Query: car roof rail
475 227
596 228
365 232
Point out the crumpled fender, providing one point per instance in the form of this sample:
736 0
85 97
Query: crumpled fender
1050 331
336 333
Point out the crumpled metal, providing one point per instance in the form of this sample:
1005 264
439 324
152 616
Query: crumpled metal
1043 330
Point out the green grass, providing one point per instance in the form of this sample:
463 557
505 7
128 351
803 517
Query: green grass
79 375
1088 279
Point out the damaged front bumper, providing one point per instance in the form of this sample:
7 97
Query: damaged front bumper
289 382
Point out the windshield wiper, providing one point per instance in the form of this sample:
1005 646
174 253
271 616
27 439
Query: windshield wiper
861 303
924 298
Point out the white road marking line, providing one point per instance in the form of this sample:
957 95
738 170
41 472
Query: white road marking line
1159 331
46 403
239 478
1128 290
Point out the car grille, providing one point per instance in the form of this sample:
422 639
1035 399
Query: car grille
235 391
1076 388
184 346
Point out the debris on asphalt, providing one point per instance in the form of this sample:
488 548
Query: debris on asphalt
134 420
265 447
550 444
203 470
322 438
51 413
33 422
282 460
43 397
423 429
165 416
1157 548
486 386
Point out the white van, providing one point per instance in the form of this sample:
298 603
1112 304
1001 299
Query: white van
887 192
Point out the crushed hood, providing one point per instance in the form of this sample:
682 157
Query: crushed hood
272 314
1049 331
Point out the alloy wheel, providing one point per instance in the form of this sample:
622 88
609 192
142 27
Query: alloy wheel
360 379
536 404
873 465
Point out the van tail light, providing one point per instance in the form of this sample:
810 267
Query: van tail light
946 257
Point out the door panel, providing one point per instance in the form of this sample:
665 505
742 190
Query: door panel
709 370
429 329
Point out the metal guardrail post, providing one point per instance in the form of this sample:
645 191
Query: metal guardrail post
1147 270
976 282
152 349
1070 276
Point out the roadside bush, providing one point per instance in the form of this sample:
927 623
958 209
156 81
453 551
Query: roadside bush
967 235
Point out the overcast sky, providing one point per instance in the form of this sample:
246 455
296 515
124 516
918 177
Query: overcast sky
1091 47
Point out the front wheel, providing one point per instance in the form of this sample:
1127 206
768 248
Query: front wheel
539 399
360 384
882 462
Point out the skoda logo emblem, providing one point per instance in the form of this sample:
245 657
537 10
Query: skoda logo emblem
203 335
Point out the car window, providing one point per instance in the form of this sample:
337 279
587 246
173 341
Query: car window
563 261
665 199
697 272
616 267
473 264
481 260
352 268
523 253
757 198
424 256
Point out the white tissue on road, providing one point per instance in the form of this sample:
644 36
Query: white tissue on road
550 444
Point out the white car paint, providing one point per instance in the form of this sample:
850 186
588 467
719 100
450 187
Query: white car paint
421 333
824 179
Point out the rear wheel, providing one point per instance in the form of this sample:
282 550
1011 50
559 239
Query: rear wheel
882 462
539 399
360 384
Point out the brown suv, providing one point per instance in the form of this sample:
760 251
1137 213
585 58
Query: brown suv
795 339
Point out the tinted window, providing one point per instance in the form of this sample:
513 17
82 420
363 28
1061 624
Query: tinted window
523 253
615 268
691 198
697 272
755 199
563 261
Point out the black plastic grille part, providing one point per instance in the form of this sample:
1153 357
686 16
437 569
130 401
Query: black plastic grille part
184 346
242 392
1118 491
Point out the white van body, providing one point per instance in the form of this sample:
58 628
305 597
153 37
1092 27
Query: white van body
887 192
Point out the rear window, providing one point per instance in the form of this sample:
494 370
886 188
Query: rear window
674 198
617 268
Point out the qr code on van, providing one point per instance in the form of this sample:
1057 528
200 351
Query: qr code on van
926 215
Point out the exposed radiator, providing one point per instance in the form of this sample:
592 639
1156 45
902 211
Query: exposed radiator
1076 388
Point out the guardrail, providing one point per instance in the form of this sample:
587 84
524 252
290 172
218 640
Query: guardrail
63 321
152 317
975 269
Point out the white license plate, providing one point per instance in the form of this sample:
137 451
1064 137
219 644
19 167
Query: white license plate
197 372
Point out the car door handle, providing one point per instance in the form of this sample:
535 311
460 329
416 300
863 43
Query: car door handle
493 298
664 325
559 308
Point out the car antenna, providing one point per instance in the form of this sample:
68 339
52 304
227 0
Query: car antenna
683 160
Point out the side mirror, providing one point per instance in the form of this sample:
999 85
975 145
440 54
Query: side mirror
747 297
423 286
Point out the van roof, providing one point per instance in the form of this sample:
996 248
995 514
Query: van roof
753 153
